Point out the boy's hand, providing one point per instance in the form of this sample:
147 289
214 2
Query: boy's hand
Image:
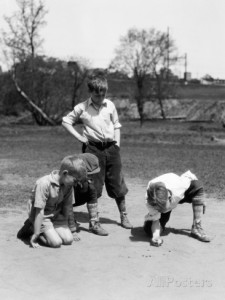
33 241
156 242
48 216
83 140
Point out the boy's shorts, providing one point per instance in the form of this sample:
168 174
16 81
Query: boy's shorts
195 189
50 224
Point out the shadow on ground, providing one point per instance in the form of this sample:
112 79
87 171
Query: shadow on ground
138 234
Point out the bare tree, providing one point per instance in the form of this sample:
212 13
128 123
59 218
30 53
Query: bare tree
23 37
23 41
79 72
140 55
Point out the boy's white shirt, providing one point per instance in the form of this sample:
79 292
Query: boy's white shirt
177 185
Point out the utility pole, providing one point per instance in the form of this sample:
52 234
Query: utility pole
168 53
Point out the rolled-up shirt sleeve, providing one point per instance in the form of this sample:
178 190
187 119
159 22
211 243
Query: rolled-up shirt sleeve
41 194
115 118
73 117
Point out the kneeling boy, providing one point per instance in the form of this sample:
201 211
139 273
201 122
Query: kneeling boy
50 204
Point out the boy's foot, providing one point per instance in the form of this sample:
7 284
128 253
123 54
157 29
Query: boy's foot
125 223
198 233
26 231
76 237
96 228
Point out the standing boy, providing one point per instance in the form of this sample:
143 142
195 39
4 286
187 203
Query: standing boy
162 196
101 137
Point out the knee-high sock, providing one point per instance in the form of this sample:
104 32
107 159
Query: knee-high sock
121 204
197 205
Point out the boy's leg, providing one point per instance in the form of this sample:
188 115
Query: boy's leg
98 178
65 234
52 237
198 207
94 224
49 237
195 195
115 184
121 204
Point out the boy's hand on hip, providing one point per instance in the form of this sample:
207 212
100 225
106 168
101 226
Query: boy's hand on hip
83 140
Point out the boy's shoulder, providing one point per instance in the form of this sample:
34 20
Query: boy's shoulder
109 102
46 180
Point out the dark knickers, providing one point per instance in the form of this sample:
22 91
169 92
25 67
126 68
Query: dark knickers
110 169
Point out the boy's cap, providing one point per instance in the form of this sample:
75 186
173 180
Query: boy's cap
157 194
91 162
75 166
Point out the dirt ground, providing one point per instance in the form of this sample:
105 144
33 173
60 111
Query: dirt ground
123 265
120 266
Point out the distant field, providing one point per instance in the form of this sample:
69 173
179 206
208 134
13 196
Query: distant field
125 89
201 92
28 152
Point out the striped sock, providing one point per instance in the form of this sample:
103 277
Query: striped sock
197 205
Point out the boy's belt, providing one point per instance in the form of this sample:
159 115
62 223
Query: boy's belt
102 145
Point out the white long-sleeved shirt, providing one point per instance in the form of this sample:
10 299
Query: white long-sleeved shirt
98 124
177 185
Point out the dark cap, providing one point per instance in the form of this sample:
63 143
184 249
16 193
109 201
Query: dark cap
91 162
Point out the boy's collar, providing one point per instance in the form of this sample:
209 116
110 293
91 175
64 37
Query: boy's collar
90 102
54 177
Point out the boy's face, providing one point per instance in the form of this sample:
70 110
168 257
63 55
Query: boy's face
98 97
68 179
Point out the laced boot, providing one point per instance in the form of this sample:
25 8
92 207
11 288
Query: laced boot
125 223
94 224
198 233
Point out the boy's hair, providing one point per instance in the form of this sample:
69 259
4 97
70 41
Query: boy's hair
97 83
158 195
75 167
91 162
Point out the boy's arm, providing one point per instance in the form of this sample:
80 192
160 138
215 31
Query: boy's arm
66 204
156 229
117 136
37 227
74 132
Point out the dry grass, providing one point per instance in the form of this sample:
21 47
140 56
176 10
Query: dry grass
28 152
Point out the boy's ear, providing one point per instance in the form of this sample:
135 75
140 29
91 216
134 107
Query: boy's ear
65 172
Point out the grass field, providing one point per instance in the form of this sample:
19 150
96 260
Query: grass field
122 265
28 152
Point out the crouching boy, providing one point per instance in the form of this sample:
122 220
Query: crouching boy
85 193
162 196
50 204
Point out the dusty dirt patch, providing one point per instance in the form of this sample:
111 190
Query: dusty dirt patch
121 266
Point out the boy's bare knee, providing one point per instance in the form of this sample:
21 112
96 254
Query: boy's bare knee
55 244
68 241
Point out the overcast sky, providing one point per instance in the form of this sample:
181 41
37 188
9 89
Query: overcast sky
92 29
